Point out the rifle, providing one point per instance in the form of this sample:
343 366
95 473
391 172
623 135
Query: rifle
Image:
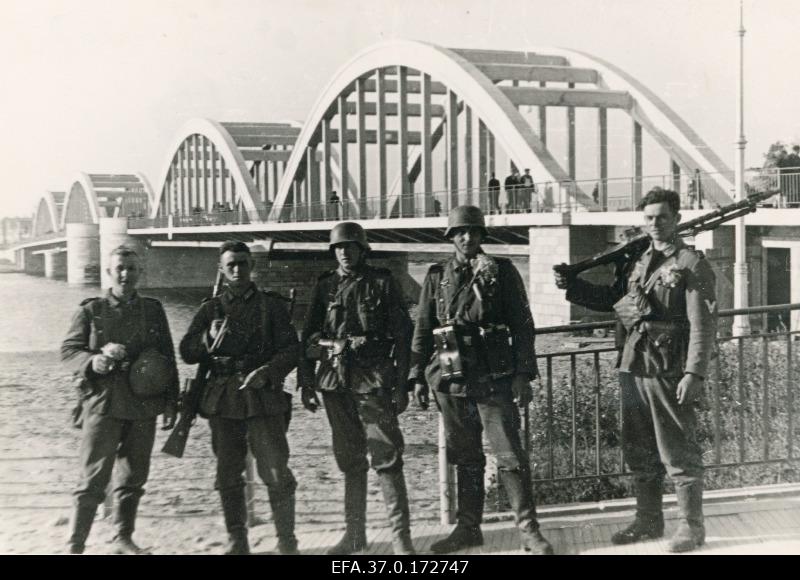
637 241
192 393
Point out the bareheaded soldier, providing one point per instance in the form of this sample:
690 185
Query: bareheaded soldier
121 351
247 338
666 304
474 347
358 328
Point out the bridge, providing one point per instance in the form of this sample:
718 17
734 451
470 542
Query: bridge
402 133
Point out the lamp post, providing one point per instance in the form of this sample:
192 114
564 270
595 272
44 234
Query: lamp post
741 322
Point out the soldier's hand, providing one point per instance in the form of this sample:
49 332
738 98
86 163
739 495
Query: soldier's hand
400 399
421 395
308 396
102 364
115 351
563 281
521 387
169 416
689 388
213 330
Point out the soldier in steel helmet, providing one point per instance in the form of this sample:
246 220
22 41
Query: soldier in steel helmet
358 328
250 344
667 308
107 336
473 346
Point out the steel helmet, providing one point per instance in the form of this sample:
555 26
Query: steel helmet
150 374
348 232
465 216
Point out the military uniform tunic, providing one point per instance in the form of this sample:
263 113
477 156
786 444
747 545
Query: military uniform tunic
677 337
259 332
115 422
368 305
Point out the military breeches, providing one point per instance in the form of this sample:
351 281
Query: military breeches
104 440
465 419
266 437
363 422
658 434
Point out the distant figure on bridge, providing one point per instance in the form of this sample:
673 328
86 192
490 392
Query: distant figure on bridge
437 207
596 193
333 206
527 191
696 191
512 184
494 195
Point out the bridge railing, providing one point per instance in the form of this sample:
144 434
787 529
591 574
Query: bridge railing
746 420
612 194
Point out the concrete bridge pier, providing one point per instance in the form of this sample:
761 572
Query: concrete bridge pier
32 262
55 264
83 253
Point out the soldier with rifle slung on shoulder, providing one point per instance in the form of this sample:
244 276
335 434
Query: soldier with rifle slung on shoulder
665 300
358 328
246 339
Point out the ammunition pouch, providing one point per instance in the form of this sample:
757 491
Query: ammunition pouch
448 349
488 349
666 344
633 307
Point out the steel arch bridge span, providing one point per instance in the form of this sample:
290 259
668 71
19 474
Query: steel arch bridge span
47 218
91 196
673 133
494 86
460 77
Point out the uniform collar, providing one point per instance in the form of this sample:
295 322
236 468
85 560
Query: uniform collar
228 297
358 272
116 302
669 250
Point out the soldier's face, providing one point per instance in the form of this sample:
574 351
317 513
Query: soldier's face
236 267
348 255
124 272
660 221
467 241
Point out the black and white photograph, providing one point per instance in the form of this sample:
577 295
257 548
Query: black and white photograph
400 285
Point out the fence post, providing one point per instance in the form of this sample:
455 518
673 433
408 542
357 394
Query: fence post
446 479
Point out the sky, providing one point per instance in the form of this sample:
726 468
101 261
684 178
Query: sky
105 85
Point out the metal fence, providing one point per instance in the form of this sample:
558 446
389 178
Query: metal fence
611 194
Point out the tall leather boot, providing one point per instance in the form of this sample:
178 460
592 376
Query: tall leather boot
355 515
125 520
283 518
234 510
469 515
395 496
80 526
520 493
691 532
649 521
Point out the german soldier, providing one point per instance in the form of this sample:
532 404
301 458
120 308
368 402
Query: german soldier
120 348
665 301
470 308
255 346
359 329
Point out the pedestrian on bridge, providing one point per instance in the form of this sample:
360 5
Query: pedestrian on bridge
494 195
254 346
667 308
359 330
470 308
111 342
